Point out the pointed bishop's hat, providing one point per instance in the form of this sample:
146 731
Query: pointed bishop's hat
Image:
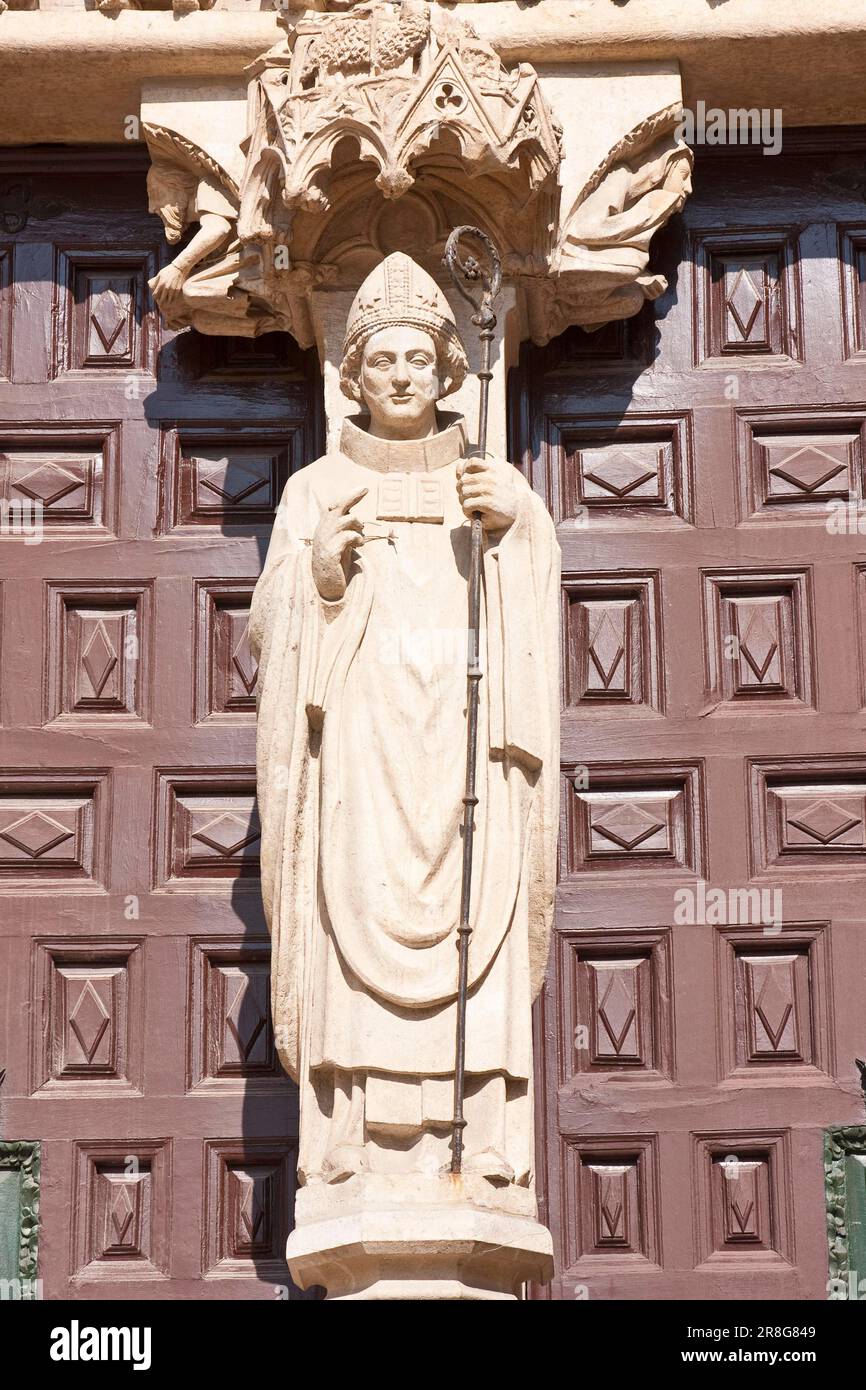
400 292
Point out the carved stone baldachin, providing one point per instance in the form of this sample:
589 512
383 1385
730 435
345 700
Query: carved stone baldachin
398 104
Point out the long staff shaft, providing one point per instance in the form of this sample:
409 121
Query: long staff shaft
467 271
470 798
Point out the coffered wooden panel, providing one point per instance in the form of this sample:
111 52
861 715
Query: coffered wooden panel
706 998
147 465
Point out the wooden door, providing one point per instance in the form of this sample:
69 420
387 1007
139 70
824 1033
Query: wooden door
139 472
707 990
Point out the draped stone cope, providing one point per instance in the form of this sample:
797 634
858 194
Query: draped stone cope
361 763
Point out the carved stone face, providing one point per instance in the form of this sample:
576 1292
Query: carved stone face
399 383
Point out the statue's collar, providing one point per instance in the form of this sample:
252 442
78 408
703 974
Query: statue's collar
405 455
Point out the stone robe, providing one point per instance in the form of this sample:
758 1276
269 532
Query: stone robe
361 764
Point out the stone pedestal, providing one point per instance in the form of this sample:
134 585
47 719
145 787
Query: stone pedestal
411 1237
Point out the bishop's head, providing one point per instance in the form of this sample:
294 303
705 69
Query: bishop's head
402 352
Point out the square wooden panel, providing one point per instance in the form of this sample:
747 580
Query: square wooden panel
98 658
611 1216
794 466
742 1195
231 1039
105 320
630 817
208 833
216 477
122 1196
249 1193
852 264
615 472
621 343
226 671
612 654
68 480
759 637
86 1017
747 297
6 255
250 359
774 1008
808 815
52 830
616 997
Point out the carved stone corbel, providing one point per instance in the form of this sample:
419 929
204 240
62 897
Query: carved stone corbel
598 268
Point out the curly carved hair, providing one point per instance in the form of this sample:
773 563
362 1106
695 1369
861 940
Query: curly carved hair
452 363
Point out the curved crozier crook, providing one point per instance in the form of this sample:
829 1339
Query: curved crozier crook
468 270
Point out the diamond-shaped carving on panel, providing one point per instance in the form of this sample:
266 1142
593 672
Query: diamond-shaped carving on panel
51 829
746 299
98 651
742 1211
615 998
120 1223
629 825
47 830
800 471
34 834
209 829
760 636
621 472
621 823
62 484
247 1204
796 467
105 320
220 479
231 1043
110 318
821 821
611 642
748 296
226 670
773 1006
631 471
813 815
89 1016
611 1202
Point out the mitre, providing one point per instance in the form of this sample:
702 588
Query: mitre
399 292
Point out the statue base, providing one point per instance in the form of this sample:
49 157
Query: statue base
414 1237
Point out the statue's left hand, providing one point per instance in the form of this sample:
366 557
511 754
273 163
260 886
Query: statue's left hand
488 486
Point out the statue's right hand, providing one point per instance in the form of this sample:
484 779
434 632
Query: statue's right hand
335 538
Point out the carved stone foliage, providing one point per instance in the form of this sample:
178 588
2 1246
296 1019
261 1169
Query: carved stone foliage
396 102
844 1162
19 1172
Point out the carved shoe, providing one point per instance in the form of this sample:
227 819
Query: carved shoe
490 1164
343 1162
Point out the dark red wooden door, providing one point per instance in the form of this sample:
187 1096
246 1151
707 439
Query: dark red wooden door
707 989
139 473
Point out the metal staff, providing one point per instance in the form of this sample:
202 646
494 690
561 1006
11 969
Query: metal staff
469 271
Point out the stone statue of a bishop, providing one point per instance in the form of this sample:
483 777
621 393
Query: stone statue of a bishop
360 623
